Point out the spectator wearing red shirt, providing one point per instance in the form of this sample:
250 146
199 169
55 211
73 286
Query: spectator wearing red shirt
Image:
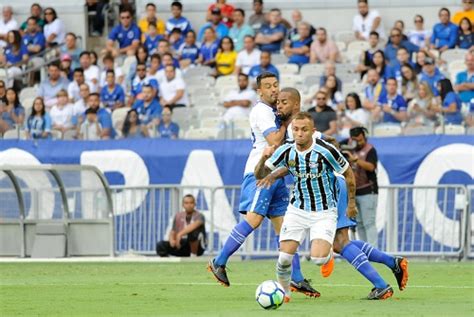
226 11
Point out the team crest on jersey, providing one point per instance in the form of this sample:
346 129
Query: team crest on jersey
130 35
291 163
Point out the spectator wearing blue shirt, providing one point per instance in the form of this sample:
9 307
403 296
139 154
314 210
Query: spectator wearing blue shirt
152 38
142 79
375 93
176 39
395 108
465 80
395 44
49 88
103 116
208 50
445 33
403 58
15 52
167 129
177 21
239 29
450 103
132 127
215 23
188 52
431 75
465 38
33 38
264 66
112 95
127 34
270 37
38 125
298 50
12 113
149 108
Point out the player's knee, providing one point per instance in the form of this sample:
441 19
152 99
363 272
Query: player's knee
285 258
340 241
254 219
321 260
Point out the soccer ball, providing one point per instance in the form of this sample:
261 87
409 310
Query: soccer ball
270 295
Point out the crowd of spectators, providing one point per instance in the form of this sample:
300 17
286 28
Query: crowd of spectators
142 68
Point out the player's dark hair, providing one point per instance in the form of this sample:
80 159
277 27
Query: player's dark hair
295 94
264 75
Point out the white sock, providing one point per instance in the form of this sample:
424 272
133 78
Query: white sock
283 269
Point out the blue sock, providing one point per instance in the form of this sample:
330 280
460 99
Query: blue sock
359 260
234 241
374 254
296 274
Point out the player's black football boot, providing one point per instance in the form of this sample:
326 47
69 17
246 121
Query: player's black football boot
380 293
401 272
304 287
219 273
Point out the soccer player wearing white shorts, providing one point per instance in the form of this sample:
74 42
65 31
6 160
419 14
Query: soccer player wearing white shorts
313 207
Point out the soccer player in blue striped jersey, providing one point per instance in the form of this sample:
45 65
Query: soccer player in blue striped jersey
258 203
313 207
289 105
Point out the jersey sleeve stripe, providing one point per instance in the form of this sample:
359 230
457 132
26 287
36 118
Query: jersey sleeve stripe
269 130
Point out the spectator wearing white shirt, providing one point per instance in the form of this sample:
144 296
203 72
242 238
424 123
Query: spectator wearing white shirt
353 115
90 129
81 104
54 30
173 90
91 72
367 21
73 90
419 36
248 57
62 113
238 102
7 24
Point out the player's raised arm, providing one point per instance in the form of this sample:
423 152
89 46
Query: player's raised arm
272 160
261 170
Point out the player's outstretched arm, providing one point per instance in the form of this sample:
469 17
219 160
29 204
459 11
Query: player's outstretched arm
351 190
261 170
268 181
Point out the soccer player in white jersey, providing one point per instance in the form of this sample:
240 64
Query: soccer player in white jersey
313 207
288 106
258 203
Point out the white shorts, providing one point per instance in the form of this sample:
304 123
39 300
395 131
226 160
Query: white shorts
297 223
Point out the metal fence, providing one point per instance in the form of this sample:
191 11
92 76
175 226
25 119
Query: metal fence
419 221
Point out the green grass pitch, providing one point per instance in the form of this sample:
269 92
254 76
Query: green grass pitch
187 289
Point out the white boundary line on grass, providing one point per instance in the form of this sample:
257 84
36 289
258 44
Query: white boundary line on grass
216 284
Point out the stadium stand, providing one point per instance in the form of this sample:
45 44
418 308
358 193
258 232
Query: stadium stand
24 71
